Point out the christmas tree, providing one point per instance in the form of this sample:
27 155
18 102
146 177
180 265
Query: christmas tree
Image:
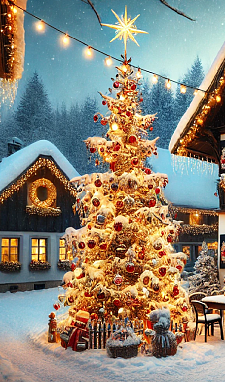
205 278
126 264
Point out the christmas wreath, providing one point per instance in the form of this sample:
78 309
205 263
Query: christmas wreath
51 192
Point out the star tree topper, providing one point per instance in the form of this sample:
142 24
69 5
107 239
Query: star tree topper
125 29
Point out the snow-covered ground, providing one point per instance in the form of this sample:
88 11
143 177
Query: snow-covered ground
26 356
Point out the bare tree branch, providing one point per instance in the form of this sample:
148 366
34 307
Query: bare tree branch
92 6
176 10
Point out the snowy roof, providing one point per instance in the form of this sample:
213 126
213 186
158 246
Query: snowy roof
14 165
189 180
198 100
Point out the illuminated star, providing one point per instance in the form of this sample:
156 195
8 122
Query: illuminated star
125 28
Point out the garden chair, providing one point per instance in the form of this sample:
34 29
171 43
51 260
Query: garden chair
206 318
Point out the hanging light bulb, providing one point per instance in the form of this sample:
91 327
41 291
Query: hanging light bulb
183 89
154 78
89 52
195 92
124 68
114 126
40 26
14 9
108 61
65 40
138 74
168 84
218 98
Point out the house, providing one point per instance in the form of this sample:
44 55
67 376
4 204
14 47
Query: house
201 134
192 193
36 200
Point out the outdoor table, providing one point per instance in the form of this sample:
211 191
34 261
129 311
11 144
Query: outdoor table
216 302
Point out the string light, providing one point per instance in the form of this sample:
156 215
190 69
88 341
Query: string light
66 40
114 126
97 50
218 98
89 52
138 74
40 26
154 78
183 89
108 61
168 84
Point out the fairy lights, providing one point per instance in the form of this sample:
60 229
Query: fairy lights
41 162
91 49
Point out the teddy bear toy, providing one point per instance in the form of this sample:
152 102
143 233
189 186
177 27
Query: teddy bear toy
163 341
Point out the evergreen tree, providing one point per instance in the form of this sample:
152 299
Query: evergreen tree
194 78
34 113
161 99
205 278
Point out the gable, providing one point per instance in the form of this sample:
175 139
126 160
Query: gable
21 211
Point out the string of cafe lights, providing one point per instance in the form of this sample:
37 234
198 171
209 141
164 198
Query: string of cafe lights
40 27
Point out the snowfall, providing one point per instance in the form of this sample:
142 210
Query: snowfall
26 356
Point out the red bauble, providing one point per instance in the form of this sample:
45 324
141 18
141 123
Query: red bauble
184 308
179 267
87 294
130 267
162 271
72 267
81 245
69 285
128 113
118 226
151 128
81 276
132 139
56 306
146 280
101 149
148 172
172 231
152 202
169 238
117 147
116 84
119 204
103 102
141 255
134 161
157 191
98 183
92 150
161 253
175 291
157 246
141 99
95 118
117 302
103 246
70 299
118 279
91 244
103 122
133 87
101 296
95 202
150 186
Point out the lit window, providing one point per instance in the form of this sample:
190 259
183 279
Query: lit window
195 218
39 249
63 253
10 249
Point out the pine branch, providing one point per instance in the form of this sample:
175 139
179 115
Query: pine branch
176 10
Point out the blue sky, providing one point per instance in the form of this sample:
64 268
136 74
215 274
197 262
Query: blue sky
170 47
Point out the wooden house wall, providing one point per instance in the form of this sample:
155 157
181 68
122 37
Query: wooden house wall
13 216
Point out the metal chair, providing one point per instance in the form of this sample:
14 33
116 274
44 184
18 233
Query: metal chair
206 319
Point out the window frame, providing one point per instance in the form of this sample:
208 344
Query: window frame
38 248
10 238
